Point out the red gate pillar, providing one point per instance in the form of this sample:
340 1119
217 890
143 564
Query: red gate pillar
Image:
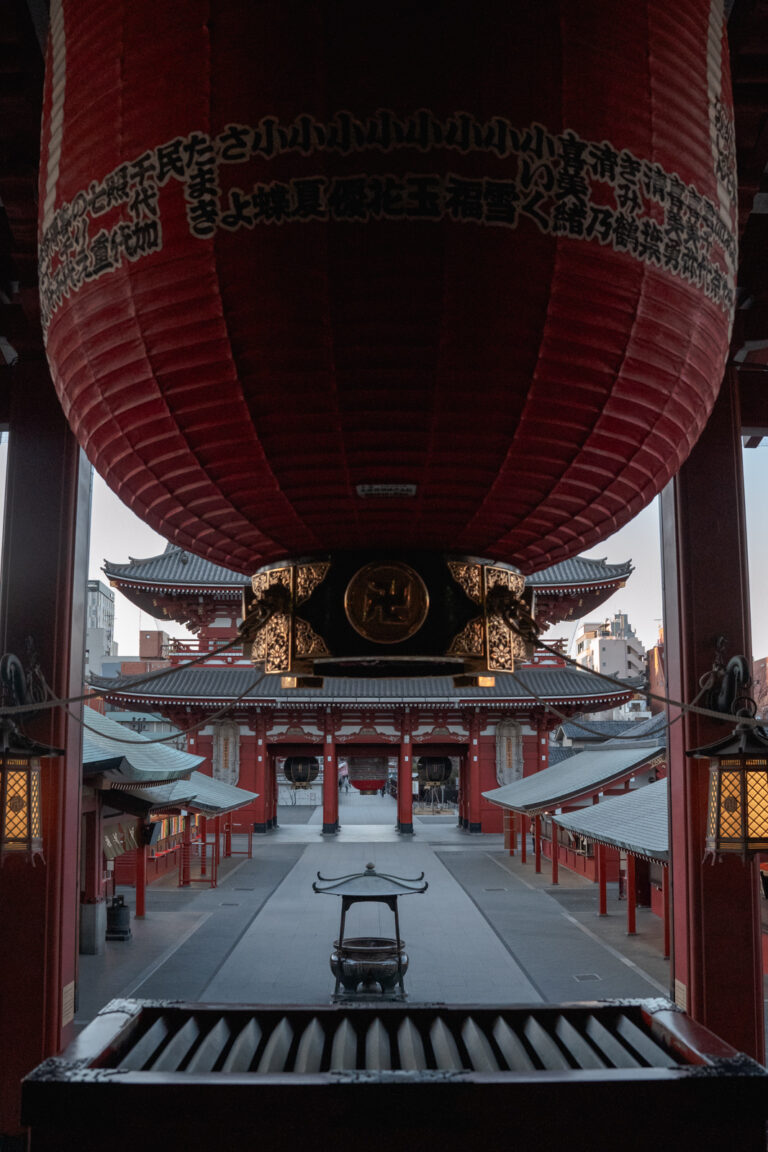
141 882
473 764
186 852
631 896
330 779
601 881
404 777
555 854
42 594
260 775
203 846
716 956
523 839
537 842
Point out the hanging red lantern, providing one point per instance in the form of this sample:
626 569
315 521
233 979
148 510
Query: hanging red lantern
316 281
313 280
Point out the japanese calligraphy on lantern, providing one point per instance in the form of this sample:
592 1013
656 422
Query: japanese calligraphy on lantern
560 184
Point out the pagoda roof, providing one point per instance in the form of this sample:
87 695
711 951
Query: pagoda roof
579 777
176 567
577 572
636 823
123 758
201 685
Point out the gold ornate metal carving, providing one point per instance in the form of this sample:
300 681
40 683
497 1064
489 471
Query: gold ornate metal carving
469 577
504 645
307 643
308 576
386 603
470 641
272 644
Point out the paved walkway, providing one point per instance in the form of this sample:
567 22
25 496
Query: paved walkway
488 929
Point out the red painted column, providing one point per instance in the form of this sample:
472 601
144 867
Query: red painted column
203 846
512 833
404 776
141 881
523 839
228 834
186 852
665 899
601 881
716 945
631 896
42 594
260 775
330 778
555 855
537 842
217 843
473 759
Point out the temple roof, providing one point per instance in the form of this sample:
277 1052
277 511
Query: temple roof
581 776
578 571
130 759
176 567
200 793
637 822
250 687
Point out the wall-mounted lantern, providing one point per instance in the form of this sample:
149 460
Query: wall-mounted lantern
737 810
21 832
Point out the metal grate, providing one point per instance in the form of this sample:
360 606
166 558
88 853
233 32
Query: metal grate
302 1042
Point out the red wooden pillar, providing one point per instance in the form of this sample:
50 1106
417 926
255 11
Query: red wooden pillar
42 594
507 830
716 946
405 777
601 881
665 901
555 855
537 842
512 833
474 773
523 839
203 846
141 881
217 843
260 774
330 778
186 851
631 896
228 835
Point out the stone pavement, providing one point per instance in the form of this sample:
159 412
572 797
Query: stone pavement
488 930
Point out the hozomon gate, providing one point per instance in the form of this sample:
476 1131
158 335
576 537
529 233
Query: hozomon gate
715 960
403 718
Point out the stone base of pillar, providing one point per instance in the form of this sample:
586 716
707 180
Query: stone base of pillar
330 828
403 827
261 827
93 928
475 827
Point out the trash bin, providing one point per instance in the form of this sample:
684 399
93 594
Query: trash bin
118 919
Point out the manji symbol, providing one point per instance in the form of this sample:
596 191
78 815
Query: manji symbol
386 603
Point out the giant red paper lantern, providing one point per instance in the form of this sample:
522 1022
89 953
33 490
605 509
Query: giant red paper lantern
326 276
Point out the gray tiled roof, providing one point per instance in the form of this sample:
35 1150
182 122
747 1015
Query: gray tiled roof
124 757
199 792
228 683
594 729
557 754
176 566
582 775
579 570
653 728
636 822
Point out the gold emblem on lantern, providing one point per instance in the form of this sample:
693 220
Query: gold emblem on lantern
386 603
